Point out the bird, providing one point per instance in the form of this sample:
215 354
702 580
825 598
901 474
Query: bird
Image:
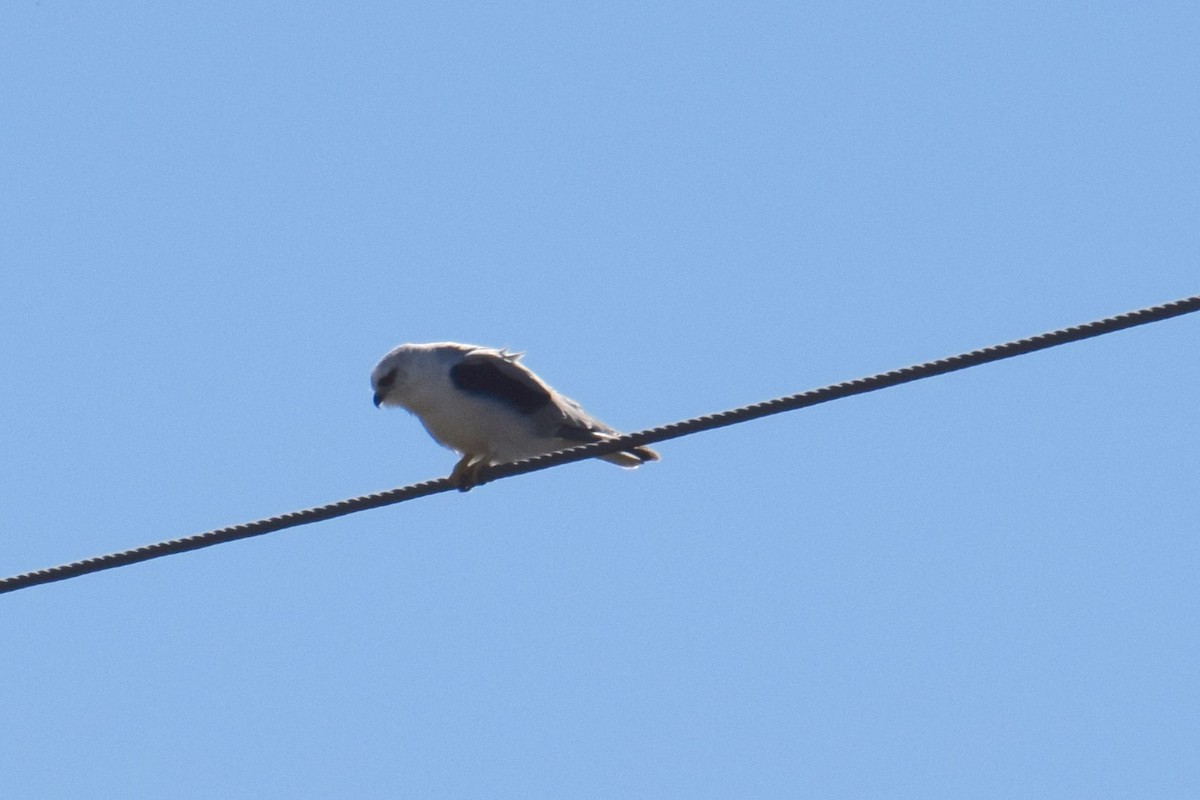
486 405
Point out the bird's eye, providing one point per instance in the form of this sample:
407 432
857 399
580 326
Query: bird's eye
387 380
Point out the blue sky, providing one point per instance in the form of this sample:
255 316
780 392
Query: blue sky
215 218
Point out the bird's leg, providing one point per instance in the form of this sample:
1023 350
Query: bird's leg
459 476
465 475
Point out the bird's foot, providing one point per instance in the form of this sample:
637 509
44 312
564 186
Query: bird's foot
465 475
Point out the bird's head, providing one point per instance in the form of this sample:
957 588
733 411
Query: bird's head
414 376
389 377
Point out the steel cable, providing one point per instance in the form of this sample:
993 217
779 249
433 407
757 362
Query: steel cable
673 430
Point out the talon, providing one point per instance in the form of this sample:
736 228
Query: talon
465 476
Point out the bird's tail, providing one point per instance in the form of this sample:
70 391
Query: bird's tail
631 458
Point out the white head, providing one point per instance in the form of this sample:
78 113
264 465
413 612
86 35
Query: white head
400 375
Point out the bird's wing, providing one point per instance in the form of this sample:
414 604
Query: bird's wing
578 426
571 422
499 375
496 375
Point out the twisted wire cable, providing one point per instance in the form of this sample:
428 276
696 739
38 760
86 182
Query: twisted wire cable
662 433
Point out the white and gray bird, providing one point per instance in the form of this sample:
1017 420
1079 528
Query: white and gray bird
488 406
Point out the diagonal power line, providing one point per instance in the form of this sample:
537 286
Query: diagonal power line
674 430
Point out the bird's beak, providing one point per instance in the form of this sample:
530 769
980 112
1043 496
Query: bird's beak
378 399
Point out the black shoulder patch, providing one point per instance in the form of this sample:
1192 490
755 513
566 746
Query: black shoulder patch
479 376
